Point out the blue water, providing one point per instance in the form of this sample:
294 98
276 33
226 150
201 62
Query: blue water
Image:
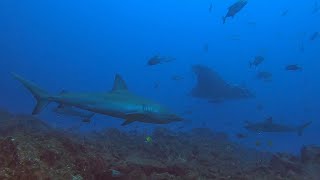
80 45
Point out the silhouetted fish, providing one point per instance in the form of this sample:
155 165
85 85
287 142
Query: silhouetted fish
234 9
241 135
293 67
206 47
154 60
210 7
177 78
314 36
285 12
316 8
257 61
264 75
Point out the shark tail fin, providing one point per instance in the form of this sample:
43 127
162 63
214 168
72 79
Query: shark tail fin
302 127
39 94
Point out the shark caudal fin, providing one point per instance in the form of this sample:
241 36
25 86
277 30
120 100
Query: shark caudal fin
302 127
39 94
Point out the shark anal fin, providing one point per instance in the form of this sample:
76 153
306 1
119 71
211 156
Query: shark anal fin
126 122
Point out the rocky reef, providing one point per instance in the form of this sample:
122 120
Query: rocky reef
31 149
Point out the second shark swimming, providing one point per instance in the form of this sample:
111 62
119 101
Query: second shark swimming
118 103
269 126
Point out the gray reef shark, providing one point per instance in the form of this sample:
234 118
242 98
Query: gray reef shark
269 126
118 103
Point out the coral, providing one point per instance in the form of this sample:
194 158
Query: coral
31 149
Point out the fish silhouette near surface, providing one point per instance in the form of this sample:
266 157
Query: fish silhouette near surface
314 36
264 76
269 126
234 9
155 60
118 103
293 67
256 61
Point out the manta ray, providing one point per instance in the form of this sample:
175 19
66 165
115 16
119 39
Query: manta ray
211 86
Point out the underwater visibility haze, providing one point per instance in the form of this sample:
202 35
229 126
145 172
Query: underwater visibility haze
159 89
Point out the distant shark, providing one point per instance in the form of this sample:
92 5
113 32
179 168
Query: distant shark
269 126
118 103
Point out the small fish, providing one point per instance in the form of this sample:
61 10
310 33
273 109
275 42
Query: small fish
257 61
269 143
301 47
148 139
285 12
259 107
206 47
265 76
156 85
252 23
210 7
293 67
234 9
177 78
235 37
187 112
216 101
155 60
314 36
316 8
241 135
115 173
258 143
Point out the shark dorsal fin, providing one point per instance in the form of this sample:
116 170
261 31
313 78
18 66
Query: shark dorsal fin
269 120
119 84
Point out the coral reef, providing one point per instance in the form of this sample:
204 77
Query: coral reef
31 149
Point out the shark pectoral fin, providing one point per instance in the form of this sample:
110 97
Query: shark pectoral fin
131 117
127 122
